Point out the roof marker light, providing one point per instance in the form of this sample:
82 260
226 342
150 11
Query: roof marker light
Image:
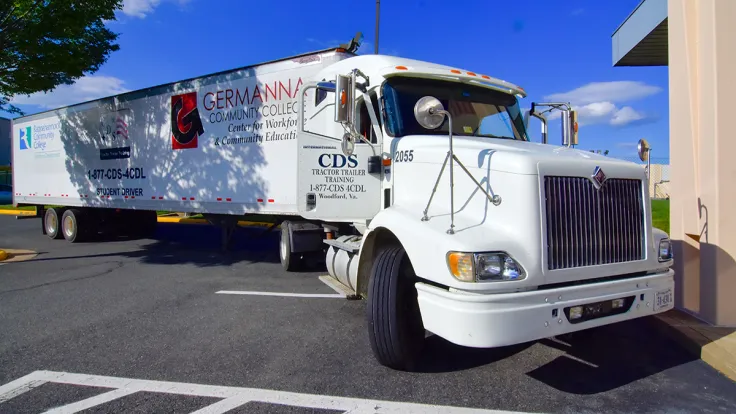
402 68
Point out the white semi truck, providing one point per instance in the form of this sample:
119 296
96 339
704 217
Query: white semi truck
418 181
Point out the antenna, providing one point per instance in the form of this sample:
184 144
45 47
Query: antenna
378 17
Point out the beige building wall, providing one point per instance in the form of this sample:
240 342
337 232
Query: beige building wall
702 87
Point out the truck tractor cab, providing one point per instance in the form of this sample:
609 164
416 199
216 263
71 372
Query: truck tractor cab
453 221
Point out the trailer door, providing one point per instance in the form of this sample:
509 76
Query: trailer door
333 186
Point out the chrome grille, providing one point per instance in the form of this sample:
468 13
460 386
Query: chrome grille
587 226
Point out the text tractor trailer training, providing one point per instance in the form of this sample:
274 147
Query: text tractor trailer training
417 180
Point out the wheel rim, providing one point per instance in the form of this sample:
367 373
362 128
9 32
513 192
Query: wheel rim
51 224
68 226
282 248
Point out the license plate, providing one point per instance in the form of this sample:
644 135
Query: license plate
662 299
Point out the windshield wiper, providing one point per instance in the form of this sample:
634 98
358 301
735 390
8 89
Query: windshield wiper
494 136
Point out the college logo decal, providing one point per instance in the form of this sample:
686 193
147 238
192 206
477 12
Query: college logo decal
25 138
186 126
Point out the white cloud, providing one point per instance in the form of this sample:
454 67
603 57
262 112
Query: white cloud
141 8
626 115
596 110
596 101
615 91
85 89
627 144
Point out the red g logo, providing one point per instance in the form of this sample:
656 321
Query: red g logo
186 126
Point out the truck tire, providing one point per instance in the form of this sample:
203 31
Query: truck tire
74 227
290 261
395 328
51 223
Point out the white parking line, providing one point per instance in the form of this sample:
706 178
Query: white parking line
283 294
225 405
92 401
232 397
19 386
342 292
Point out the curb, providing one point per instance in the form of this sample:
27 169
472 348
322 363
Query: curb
160 219
16 255
180 220
17 212
713 345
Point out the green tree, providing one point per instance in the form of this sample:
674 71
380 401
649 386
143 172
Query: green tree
46 43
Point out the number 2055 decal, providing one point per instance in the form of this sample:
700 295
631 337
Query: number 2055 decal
404 156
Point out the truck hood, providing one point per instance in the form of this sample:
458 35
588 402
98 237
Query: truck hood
505 155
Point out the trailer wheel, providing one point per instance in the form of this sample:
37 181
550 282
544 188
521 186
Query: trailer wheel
395 331
51 223
290 261
73 225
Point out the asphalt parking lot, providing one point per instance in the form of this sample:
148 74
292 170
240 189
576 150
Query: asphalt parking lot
138 326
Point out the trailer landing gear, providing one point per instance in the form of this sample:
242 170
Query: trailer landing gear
227 225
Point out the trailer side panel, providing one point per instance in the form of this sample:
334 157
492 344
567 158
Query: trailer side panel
219 144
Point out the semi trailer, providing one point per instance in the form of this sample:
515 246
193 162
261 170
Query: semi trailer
418 182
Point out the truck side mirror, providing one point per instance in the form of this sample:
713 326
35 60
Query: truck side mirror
344 99
429 112
643 149
573 127
569 128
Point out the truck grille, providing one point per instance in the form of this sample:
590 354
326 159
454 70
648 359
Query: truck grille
588 227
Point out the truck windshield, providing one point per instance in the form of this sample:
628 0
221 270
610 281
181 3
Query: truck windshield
476 111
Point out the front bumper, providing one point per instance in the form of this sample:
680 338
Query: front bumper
492 320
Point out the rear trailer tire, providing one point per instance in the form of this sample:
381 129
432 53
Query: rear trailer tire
51 223
74 227
395 328
290 261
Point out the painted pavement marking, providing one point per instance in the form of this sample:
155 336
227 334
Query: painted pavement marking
282 294
231 397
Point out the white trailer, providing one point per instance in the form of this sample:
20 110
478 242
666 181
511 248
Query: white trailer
418 180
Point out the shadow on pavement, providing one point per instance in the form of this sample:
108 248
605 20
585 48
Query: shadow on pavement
609 357
441 356
200 245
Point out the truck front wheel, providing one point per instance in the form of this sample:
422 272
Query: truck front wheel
395 326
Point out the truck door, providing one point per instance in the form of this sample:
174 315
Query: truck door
335 183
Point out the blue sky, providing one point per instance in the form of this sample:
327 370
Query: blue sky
558 50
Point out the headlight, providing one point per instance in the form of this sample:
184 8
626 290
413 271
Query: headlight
665 250
484 267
